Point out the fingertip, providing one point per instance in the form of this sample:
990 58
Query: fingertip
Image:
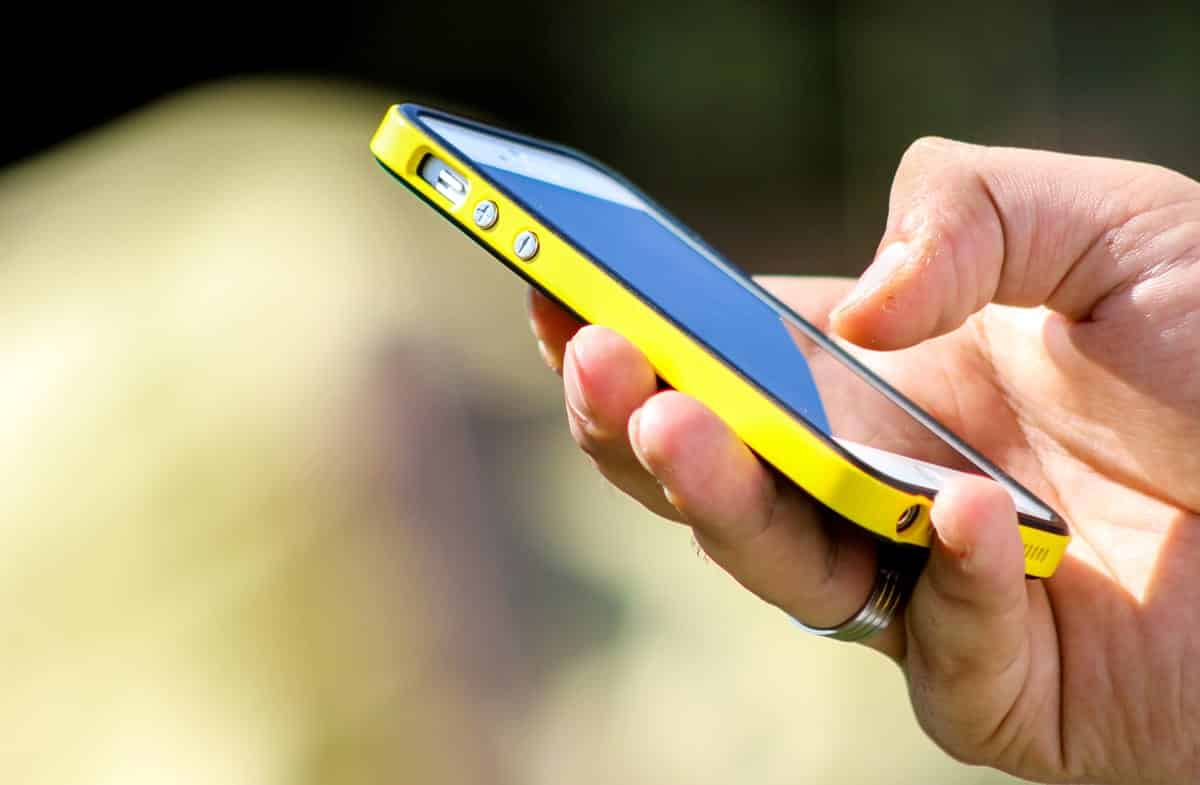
540 306
675 429
634 431
607 377
708 474
595 343
891 306
653 432
976 530
859 324
552 359
551 324
968 614
880 326
605 360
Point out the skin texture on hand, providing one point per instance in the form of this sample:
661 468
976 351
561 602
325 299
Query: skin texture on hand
1046 308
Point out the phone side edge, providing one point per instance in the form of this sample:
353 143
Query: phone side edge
577 282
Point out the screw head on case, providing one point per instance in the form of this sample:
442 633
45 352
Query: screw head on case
526 245
486 214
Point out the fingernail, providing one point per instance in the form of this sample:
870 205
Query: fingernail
961 552
673 500
635 436
571 386
530 302
547 357
889 260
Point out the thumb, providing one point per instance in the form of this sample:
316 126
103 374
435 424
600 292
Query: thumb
968 648
969 225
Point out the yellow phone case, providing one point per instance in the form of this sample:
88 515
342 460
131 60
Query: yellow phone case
797 450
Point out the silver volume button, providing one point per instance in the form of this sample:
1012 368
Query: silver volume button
526 245
486 214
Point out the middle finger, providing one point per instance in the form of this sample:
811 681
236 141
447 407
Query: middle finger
606 379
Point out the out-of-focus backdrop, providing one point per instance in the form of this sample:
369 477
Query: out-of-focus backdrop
287 496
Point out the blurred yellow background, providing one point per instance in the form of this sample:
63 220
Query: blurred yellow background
287 493
287 498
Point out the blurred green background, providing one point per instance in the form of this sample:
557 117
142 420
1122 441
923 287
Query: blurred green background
287 494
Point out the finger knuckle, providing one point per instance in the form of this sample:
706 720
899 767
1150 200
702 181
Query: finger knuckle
932 152
1160 179
946 194
929 144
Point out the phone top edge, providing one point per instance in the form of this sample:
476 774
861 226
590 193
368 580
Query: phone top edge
414 113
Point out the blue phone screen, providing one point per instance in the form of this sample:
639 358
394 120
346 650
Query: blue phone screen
718 306
671 272
675 277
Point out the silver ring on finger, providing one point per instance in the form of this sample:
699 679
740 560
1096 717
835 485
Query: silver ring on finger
887 596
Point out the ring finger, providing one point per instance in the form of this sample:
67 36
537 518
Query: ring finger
763 530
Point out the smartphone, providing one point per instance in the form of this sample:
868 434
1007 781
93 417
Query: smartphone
590 240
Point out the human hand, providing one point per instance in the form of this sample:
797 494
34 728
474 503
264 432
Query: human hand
1087 392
